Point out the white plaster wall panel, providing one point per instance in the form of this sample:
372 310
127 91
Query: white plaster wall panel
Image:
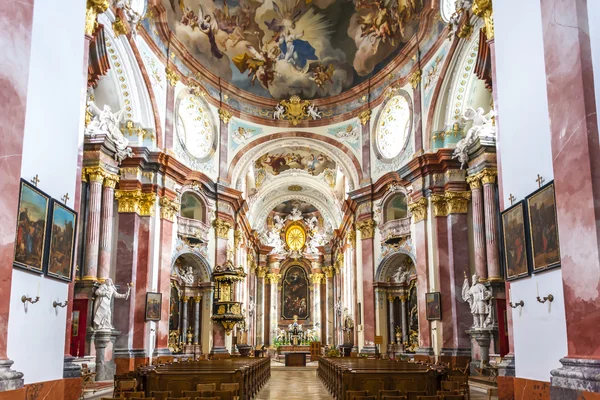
53 134
525 151
594 31
157 75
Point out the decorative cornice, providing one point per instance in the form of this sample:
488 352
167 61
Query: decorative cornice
364 117
273 278
418 209
317 278
225 115
366 228
488 176
172 76
93 8
168 208
483 9
474 181
221 228
440 205
458 202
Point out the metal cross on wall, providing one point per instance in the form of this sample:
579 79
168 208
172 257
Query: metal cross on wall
540 181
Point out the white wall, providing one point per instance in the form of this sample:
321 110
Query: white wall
540 336
52 139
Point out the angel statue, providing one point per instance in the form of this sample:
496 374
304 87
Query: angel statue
313 112
186 274
483 127
401 276
106 122
312 223
478 297
295 215
102 311
279 112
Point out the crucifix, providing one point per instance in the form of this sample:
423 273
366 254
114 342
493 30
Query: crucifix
65 198
540 180
512 199
35 180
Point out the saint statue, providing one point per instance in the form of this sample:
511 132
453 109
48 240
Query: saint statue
102 310
106 122
478 297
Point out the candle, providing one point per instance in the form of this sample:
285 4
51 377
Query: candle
537 289
510 293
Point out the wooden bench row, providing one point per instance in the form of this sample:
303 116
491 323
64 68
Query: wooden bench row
250 373
339 375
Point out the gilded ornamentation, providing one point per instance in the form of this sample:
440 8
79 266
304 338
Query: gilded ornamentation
221 228
110 180
457 202
197 299
317 278
273 278
440 205
488 176
329 271
168 208
238 238
134 201
483 9
119 27
225 115
172 76
366 228
297 110
93 8
364 117
415 78
351 238
474 182
261 271
418 209
221 309
147 202
95 174
235 309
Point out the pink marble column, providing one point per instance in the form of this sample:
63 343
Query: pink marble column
488 178
164 286
478 227
573 117
92 245
441 259
223 144
366 151
366 228
106 232
15 39
418 117
142 285
222 228
170 117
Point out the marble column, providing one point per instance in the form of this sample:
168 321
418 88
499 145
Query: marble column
224 118
274 278
316 279
195 339
222 229
15 36
170 117
392 322
572 111
418 208
184 318
367 232
106 233
330 309
478 223
417 111
488 178
365 121
92 245
404 315
260 307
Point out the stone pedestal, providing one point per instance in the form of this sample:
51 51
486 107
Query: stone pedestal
507 366
105 365
483 338
71 369
9 379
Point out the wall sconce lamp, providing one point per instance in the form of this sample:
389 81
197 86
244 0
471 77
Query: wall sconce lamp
519 304
61 305
542 300
26 299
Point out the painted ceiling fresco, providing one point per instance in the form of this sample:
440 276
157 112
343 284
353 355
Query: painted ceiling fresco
278 48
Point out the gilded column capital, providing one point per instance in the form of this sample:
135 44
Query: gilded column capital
329 271
364 117
458 202
95 174
93 8
273 278
197 299
221 228
402 297
366 228
488 176
261 271
440 205
185 299
128 200
351 238
474 181
168 208
391 297
317 278
483 9
418 209
110 180
147 201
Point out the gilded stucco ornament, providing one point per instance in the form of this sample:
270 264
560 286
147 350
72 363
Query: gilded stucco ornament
168 208
172 76
418 209
458 202
297 110
93 8
440 205
366 228
261 271
119 27
474 181
238 239
483 9
225 115
317 278
273 278
221 228
110 180
328 271
415 78
364 117
134 201
488 176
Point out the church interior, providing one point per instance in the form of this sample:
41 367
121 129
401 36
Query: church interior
299 199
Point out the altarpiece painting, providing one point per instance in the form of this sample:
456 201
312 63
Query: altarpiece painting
295 293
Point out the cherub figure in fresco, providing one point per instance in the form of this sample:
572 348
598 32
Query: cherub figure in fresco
259 64
322 75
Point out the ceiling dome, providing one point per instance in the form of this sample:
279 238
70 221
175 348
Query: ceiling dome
279 48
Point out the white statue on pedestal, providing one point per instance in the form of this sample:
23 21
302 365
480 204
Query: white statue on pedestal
483 127
106 122
273 239
102 310
401 276
478 297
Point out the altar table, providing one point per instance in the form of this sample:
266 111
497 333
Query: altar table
296 359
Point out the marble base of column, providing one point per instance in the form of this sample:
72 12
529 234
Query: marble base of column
105 365
424 351
483 338
368 350
575 375
219 350
455 352
71 369
507 365
9 379
161 352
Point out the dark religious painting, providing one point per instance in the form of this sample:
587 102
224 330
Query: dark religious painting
433 305
153 306
515 242
543 228
62 242
32 224
295 293
75 323
174 308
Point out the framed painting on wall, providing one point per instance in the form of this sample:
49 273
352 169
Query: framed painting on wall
153 306
543 228
32 228
514 239
433 306
62 242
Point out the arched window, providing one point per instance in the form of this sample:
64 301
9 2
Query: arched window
393 127
192 207
396 207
